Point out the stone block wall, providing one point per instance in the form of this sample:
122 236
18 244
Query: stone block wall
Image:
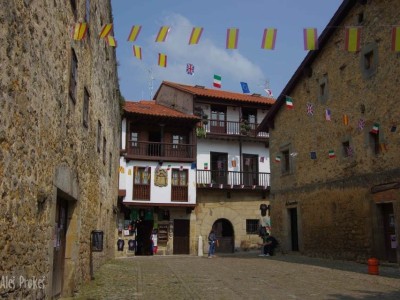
46 153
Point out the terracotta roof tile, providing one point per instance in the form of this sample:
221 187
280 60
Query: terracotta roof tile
220 94
150 108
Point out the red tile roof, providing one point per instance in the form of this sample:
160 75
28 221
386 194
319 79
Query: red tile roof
205 92
150 108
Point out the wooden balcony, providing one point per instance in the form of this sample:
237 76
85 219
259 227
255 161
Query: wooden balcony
141 192
232 179
160 151
179 193
233 128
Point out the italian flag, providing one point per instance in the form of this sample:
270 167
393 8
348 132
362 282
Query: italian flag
217 81
375 128
332 154
289 102
278 158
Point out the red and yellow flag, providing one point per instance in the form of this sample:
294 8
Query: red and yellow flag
352 41
269 37
110 40
310 39
396 38
346 120
134 33
162 60
195 35
105 31
162 34
79 31
137 52
232 37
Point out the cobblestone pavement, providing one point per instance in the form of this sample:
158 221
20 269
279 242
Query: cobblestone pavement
239 276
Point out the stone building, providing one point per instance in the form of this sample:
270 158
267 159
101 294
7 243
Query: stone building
336 176
59 146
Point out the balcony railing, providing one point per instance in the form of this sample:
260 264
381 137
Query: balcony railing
233 128
160 150
232 179
179 193
141 192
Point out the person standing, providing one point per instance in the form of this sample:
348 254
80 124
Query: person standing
212 242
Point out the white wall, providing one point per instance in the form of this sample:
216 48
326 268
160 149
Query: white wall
157 194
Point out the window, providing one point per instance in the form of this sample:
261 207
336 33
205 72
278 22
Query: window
374 142
323 89
73 76
141 175
98 136
179 177
360 18
110 164
134 139
141 183
252 226
369 60
346 149
178 139
86 108
73 7
250 115
285 162
104 150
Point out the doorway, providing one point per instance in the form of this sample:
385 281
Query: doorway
294 233
250 169
59 245
143 238
154 147
219 167
181 236
389 232
224 231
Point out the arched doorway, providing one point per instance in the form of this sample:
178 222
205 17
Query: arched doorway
226 237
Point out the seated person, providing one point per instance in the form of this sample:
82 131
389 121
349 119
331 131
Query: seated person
269 244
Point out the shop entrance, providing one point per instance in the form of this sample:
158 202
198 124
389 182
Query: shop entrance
181 236
59 244
143 237
224 230
389 231
294 229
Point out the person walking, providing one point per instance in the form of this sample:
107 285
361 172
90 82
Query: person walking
212 242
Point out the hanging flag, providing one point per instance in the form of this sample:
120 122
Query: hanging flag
105 31
79 31
277 158
134 33
233 163
205 166
193 166
313 155
262 159
162 34
327 114
217 81
289 102
396 38
269 38
245 87
346 120
110 40
121 170
375 128
232 37
168 167
137 52
269 92
190 69
361 124
310 109
331 154
310 39
162 60
195 35
352 41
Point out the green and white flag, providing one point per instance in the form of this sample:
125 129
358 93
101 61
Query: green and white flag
217 81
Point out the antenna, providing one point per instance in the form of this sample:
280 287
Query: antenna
151 80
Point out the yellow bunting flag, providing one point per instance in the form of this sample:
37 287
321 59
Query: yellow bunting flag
134 33
105 31
111 41
137 52
345 119
79 31
396 38
352 42
121 170
232 37
269 37
162 60
195 36
310 39
129 172
162 34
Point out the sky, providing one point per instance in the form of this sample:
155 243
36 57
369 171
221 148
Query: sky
259 68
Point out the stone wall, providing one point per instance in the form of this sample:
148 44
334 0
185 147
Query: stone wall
336 211
46 153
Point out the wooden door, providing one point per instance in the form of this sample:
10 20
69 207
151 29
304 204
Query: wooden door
250 169
181 236
219 168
